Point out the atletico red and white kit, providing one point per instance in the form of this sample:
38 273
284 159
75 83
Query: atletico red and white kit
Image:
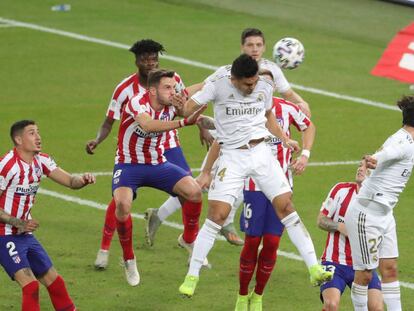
134 144
338 249
140 159
19 182
128 88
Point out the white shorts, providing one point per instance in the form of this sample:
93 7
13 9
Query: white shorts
235 165
371 233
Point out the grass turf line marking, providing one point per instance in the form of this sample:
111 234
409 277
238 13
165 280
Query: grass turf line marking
100 206
335 163
189 62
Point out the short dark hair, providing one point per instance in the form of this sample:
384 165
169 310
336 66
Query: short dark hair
155 76
244 66
251 32
18 127
146 46
406 104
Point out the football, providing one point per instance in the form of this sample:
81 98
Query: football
288 53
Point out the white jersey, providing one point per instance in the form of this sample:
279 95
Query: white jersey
395 163
281 85
238 118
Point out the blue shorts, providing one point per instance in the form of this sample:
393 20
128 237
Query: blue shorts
23 251
175 156
162 176
259 217
344 276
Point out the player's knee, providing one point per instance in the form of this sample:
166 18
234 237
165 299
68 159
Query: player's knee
389 270
375 306
193 192
123 207
331 304
284 207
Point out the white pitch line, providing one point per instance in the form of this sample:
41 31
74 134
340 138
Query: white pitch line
100 206
189 62
315 164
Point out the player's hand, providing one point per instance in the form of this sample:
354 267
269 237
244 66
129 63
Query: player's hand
28 225
298 165
91 146
178 101
292 145
88 178
370 162
204 180
205 137
192 119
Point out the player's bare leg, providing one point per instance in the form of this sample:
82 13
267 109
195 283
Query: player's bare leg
123 200
359 290
300 237
217 214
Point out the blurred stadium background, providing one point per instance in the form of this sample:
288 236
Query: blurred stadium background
55 70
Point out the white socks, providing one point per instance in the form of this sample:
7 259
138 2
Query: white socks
359 296
300 237
168 208
235 206
202 246
392 295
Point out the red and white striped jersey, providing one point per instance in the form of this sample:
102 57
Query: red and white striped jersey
338 249
19 182
134 144
131 86
287 114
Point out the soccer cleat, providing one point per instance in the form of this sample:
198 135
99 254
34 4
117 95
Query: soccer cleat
255 302
131 272
318 275
231 235
153 223
189 285
242 303
189 247
102 258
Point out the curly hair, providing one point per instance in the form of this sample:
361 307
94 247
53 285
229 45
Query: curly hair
146 46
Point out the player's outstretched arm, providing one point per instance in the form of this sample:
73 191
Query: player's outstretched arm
308 137
150 125
103 133
294 97
71 181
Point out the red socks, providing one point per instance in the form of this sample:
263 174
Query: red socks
109 226
125 237
59 296
266 262
30 297
248 258
191 214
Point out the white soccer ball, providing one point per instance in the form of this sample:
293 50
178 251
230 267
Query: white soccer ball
288 53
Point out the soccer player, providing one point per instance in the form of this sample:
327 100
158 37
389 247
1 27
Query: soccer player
370 221
337 254
243 117
252 44
21 255
146 59
259 220
145 126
